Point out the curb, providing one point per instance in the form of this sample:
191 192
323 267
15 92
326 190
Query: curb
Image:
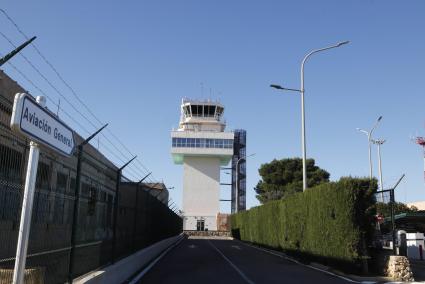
129 267
145 269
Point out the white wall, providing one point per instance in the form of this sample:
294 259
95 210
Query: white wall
414 240
201 191
189 222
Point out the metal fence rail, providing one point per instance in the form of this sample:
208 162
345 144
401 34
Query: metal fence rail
141 218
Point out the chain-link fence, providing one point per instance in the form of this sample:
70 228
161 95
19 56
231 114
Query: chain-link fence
56 252
383 197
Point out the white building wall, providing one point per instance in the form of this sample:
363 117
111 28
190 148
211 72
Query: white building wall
415 243
201 191
191 221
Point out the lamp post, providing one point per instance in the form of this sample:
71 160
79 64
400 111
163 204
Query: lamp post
369 139
302 91
379 142
237 180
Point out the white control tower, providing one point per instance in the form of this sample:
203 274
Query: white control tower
202 146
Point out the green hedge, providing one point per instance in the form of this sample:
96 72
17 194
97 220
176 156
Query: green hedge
330 223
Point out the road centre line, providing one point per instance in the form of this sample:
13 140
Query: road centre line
232 264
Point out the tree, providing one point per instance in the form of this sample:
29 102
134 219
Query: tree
281 178
399 207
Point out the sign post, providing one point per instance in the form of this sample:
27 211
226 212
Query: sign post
31 119
27 202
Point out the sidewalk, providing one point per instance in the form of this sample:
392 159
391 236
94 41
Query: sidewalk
418 268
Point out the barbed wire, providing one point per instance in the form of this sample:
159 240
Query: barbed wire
143 168
46 95
70 88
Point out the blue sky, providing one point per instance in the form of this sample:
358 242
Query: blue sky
133 61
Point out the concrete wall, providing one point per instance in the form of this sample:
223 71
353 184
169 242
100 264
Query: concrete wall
223 222
201 191
127 267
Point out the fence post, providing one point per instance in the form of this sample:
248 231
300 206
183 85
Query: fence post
392 199
147 207
392 202
117 191
135 218
76 203
15 51
136 209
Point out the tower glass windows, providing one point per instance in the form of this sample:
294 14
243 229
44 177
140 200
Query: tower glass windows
202 143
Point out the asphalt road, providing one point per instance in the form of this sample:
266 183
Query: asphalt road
228 261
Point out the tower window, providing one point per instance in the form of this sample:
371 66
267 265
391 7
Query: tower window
210 111
186 111
202 143
194 110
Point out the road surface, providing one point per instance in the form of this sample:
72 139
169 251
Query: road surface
229 261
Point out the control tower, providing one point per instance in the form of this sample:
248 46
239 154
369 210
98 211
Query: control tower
202 146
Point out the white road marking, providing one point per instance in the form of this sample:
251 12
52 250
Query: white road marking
309 266
191 246
237 247
232 265
144 271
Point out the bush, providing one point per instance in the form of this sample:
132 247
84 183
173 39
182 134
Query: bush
330 223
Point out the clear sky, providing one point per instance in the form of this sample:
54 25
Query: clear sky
133 61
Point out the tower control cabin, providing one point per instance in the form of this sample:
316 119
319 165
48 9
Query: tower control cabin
202 146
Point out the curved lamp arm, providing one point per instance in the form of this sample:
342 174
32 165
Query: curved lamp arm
313 52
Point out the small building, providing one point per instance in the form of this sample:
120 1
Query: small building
410 229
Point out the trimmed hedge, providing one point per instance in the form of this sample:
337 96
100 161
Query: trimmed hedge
330 223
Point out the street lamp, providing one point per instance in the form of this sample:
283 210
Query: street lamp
302 91
369 139
237 180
